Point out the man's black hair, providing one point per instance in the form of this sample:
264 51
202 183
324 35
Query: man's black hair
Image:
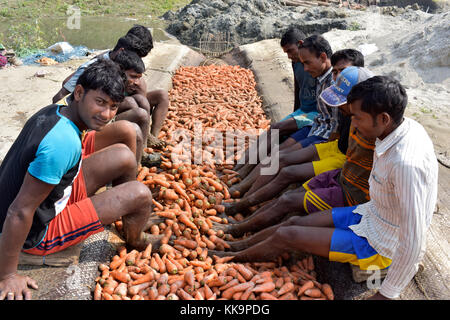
317 44
133 43
292 36
104 75
129 60
351 55
380 94
144 34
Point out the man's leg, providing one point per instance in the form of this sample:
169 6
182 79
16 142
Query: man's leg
128 198
310 234
159 101
126 132
321 219
268 215
137 113
287 157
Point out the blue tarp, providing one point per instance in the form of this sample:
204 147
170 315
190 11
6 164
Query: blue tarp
78 51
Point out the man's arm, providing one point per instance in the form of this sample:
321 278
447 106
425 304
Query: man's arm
15 231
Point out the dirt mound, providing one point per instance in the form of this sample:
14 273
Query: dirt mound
249 21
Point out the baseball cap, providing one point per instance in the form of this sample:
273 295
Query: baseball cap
336 94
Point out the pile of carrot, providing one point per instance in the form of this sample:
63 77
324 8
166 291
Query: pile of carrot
188 198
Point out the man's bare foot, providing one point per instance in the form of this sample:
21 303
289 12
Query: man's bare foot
221 254
154 142
230 208
154 219
145 240
151 159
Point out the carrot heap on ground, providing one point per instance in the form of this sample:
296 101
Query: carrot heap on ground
187 199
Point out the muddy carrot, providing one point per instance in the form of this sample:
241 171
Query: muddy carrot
184 295
142 174
120 276
161 182
135 289
267 296
306 286
190 244
166 214
327 291
287 287
98 292
184 219
244 271
157 204
264 287
147 252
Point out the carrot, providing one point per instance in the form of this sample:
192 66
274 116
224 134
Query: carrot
157 204
178 189
161 182
184 219
228 293
306 286
147 252
142 174
190 244
184 295
313 293
310 263
264 287
327 291
267 296
244 271
149 276
169 194
197 194
98 292
287 287
166 214
116 263
135 289
120 276
217 185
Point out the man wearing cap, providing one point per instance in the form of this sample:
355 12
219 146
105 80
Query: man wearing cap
388 232
298 167
335 188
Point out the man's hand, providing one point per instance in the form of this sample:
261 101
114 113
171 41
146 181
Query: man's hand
16 287
378 296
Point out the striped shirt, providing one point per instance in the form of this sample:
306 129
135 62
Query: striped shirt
403 192
354 177
327 119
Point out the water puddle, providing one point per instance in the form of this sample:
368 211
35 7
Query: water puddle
95 32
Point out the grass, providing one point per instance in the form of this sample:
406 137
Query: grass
22 17
58 8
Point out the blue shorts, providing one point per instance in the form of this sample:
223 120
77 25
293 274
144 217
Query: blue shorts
346 246
301 136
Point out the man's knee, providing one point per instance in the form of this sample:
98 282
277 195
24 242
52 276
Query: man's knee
285 236
141 193
142 102
124 157
158 98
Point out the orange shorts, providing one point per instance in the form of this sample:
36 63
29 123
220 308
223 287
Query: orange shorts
88 144
77 221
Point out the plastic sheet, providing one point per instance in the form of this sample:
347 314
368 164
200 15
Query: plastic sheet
62 55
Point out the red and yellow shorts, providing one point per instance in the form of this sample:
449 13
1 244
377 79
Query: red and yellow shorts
77 221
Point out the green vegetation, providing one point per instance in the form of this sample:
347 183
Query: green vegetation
47 8
22 26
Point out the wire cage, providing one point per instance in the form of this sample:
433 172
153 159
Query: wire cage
215 45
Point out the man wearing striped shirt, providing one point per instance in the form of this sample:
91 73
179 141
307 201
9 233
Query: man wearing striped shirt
387 232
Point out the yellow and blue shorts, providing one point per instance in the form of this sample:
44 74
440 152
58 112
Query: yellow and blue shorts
347 246
330 157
